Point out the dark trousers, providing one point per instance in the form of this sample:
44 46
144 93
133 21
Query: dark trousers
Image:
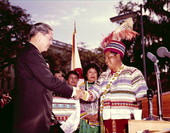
116 126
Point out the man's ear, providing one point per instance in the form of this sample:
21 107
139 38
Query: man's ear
39 36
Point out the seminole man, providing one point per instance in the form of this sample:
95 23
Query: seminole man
120 87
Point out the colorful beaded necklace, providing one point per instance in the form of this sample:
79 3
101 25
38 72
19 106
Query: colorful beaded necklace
108 87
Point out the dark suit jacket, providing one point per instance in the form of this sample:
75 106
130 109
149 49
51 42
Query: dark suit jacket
33 102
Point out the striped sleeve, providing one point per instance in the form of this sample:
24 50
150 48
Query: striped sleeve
138 83
95 90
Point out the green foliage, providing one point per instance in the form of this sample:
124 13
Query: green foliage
156 6
14 27
58 61
95 56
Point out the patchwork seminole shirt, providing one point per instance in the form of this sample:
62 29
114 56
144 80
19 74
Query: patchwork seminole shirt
121 95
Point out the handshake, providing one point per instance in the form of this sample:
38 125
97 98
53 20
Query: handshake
81 94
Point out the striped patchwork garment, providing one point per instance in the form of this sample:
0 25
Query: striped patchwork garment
120 99
63 107
89 108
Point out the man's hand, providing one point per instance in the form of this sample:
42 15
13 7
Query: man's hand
79 94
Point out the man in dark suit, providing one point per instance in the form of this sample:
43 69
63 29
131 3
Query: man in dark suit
33 101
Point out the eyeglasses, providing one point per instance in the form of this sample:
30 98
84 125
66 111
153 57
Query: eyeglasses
109 57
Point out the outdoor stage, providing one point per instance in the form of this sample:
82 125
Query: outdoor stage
165 106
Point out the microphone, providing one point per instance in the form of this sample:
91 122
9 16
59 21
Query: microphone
152 57
162 52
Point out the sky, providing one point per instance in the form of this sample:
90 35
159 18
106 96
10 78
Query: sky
92 18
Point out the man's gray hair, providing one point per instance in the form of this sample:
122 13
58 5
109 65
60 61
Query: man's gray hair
39 27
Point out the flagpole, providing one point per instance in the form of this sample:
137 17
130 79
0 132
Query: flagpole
75 59
73 49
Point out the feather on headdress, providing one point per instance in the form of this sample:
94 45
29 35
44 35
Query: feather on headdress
123 32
